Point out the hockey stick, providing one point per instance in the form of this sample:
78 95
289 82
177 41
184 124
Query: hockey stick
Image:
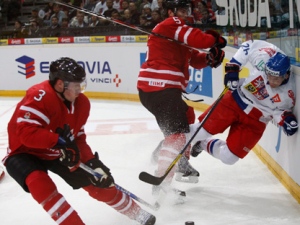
131 195
127 25
148 178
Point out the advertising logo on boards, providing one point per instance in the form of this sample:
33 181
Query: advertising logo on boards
26 66
97 72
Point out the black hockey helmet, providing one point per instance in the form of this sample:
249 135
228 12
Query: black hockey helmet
66 69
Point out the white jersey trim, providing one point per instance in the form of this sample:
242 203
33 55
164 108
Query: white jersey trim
36 112
20 119
169 72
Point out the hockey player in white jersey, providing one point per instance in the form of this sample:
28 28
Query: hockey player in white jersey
268 93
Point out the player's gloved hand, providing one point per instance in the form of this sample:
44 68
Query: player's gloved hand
231 78
106 180
290 124
70 154
215 57
220 41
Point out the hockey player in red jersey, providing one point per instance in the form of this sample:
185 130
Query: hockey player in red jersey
46 133
164 76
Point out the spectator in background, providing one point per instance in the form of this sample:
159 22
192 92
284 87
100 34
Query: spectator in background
204 14
160 7
34 30
124 5
135 14
35 16
90 5
201 8
117 5
154 4
126 18
144 23
46 13
156 17
147 12
65 30
115 15
19 30
54 29
100 7
211 4
142 4
94 22
109 5
79 20
65 23
57 12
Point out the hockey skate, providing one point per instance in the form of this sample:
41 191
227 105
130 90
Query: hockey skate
145 218
196 149
186 172
155 153
163 193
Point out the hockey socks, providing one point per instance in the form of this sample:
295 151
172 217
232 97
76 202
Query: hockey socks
121 203
44 191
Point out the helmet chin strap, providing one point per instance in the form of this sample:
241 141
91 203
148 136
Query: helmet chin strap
61 94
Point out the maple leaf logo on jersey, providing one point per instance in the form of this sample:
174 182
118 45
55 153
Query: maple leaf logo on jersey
27 115
276 98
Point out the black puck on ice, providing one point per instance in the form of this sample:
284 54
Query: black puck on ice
189 223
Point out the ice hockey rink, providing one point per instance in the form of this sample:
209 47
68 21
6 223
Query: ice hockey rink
125 134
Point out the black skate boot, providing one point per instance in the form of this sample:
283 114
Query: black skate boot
196 149
186 172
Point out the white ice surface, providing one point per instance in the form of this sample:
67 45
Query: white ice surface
125 135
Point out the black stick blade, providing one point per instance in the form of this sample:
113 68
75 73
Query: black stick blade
150 179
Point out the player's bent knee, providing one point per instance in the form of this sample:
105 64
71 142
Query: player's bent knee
227 157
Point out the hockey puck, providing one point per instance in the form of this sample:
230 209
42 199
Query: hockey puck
189 223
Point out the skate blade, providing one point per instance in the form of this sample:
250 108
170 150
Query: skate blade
189 179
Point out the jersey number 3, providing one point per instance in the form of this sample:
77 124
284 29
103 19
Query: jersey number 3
40 96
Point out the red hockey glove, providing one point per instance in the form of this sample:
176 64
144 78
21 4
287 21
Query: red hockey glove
289 123
70 154
220 42
106 180
231 77
215 57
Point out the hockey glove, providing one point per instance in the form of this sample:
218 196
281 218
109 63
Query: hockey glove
231 78
70 154
220 42
290 124
215 57
106 180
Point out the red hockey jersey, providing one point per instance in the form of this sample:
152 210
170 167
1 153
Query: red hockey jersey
37 116
167 62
